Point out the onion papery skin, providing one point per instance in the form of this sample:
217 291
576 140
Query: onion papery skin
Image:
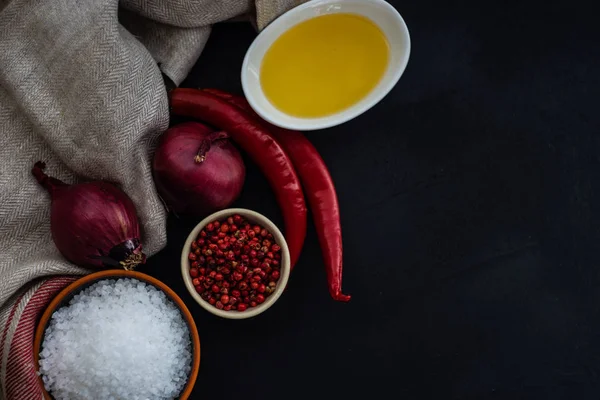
94 224
196 170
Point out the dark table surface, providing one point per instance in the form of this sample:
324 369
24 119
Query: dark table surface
471 227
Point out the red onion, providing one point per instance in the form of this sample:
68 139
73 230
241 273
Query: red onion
93 224
196 170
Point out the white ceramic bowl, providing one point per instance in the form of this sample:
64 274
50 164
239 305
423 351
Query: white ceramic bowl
253 217
378 11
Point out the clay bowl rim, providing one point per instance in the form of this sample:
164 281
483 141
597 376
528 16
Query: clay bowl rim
116 273
278 238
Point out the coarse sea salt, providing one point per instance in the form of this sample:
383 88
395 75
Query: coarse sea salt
117 339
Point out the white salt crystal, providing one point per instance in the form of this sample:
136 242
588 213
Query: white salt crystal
116 340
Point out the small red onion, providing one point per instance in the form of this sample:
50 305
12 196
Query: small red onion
94 224
196 170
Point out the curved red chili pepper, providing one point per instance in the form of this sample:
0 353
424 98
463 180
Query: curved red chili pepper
320 192
264 150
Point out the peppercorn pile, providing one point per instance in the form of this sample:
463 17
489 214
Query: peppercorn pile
234 264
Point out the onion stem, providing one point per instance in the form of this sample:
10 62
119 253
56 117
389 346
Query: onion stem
206 143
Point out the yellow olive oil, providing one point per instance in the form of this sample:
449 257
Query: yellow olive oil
324 65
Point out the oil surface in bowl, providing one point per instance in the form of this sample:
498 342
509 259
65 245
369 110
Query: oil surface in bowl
324 65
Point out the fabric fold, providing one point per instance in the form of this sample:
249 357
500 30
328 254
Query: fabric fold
81 88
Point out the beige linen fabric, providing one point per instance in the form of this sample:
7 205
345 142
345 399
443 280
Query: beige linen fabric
80 88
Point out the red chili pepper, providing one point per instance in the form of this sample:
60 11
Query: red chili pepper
320 192
264 150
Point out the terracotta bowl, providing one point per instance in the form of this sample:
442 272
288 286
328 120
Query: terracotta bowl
63 298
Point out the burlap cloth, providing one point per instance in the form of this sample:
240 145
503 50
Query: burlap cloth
81 88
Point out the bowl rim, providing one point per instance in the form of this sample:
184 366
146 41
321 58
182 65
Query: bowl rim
328 121
285 264
117 273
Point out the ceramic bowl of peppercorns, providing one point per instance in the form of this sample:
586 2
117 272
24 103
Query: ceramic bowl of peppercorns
235 263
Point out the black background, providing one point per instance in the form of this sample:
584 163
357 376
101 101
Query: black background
469 208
